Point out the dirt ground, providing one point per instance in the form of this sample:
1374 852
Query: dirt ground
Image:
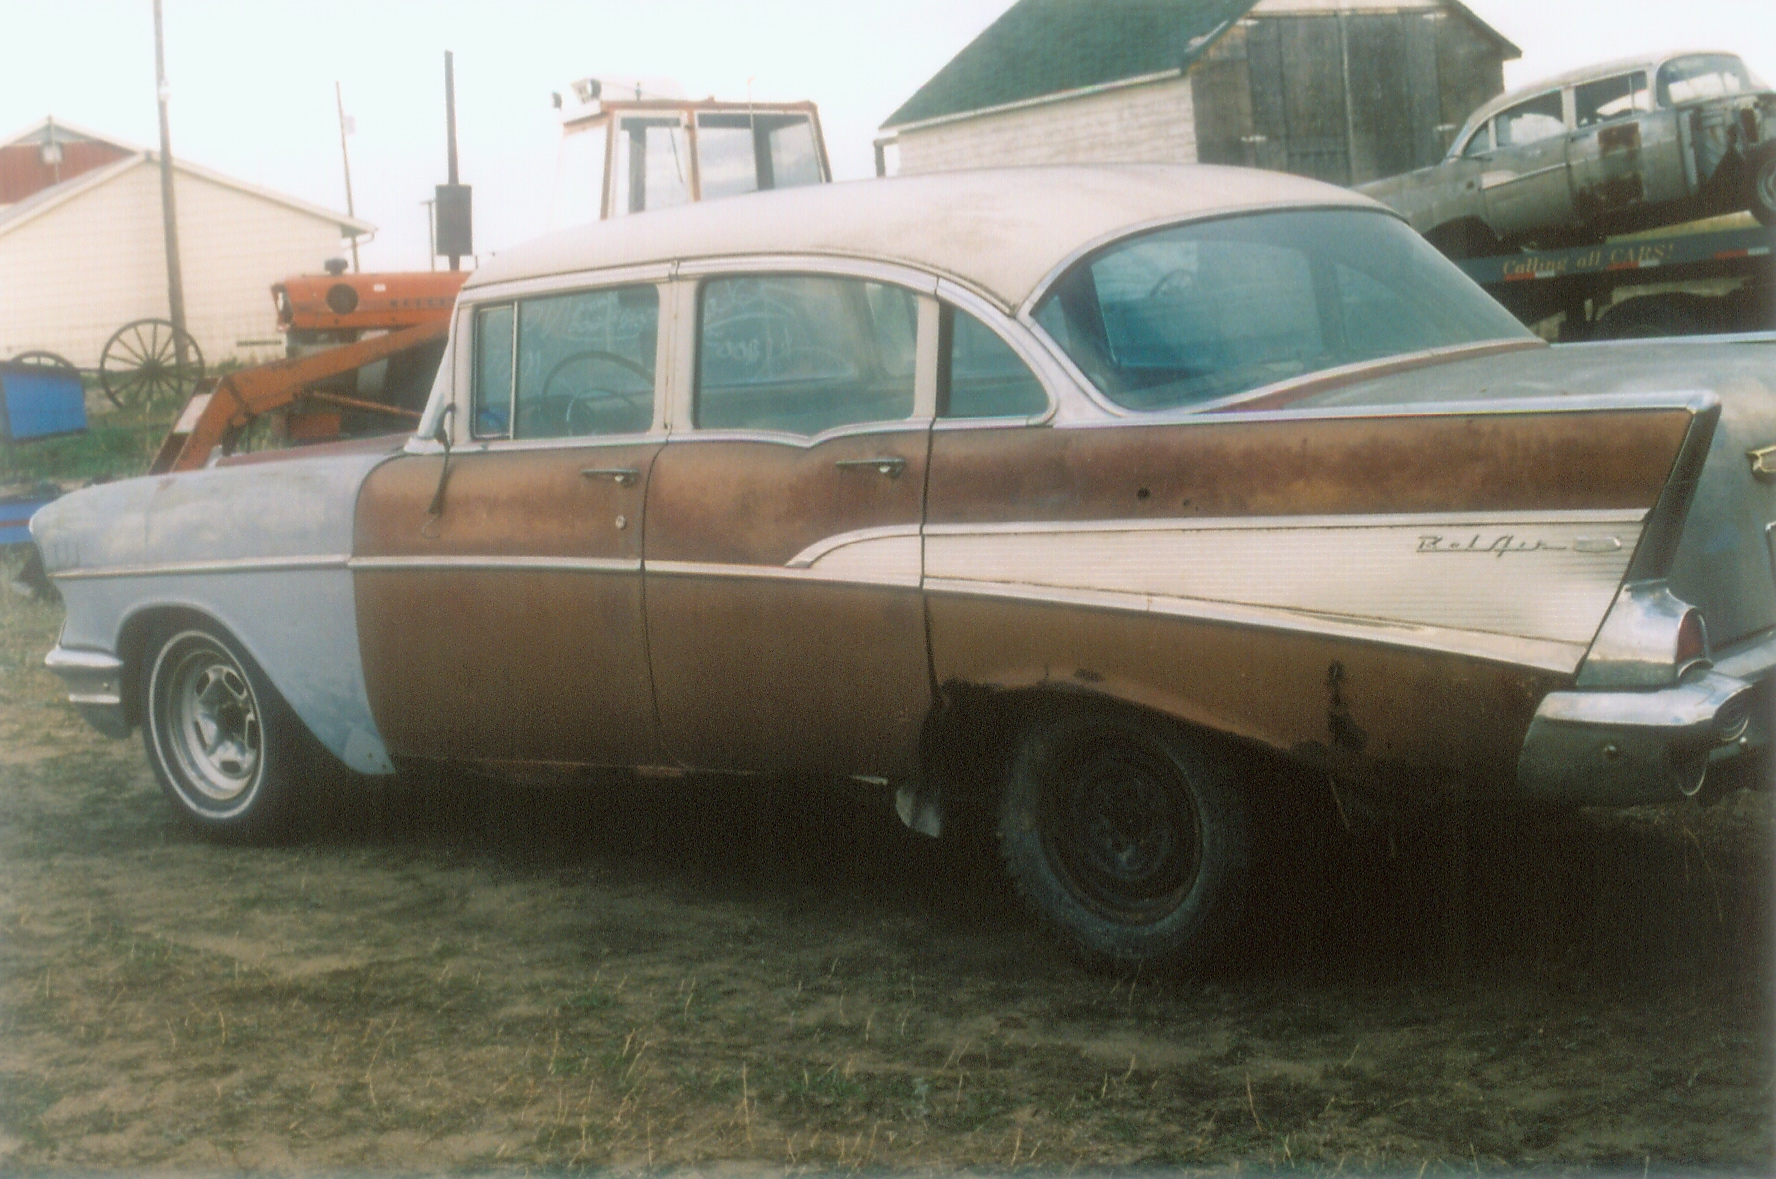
448 975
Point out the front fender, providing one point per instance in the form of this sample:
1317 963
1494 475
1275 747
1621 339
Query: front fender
261 549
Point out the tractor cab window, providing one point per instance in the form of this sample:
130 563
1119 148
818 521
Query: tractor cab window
653 164
740 152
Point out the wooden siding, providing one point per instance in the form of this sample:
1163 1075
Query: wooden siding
1150 123
73 275
1342 92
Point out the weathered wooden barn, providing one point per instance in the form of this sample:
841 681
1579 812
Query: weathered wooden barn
82 250
1341 90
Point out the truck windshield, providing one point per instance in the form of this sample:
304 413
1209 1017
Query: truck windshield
1704 76
1187 315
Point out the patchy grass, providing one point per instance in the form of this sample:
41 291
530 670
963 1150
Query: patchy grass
446 975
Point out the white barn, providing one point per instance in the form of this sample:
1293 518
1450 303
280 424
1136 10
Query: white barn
82 248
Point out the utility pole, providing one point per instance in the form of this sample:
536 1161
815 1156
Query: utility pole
345 156
169 215
452 213
450 126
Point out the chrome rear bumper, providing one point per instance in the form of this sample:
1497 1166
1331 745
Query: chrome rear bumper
95 687
1621 748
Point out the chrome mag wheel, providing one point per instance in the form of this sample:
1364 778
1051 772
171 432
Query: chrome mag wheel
209 737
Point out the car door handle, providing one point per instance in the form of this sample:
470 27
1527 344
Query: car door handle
623 476
891 465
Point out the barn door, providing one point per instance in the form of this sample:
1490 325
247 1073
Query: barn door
1298 97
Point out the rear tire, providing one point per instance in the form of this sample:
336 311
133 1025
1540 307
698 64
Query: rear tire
228 752
1128 839
1762 170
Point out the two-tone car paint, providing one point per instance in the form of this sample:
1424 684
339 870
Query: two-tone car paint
1394 571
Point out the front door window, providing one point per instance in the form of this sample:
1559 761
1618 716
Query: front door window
1531 122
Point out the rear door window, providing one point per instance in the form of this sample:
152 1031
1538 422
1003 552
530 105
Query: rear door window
1611 98
802 354
981 376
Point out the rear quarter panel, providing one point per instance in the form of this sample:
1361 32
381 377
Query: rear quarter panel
1398 588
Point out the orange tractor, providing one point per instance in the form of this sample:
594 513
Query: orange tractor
363 349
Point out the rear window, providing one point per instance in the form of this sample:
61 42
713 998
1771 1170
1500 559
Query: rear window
1704 76
1187 315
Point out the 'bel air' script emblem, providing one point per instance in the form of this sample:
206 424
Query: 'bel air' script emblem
1484 545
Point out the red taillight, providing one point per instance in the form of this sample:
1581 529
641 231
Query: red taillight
1692 639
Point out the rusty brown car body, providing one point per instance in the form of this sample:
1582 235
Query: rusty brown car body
1063 499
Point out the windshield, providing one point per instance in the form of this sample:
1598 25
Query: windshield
1711 75
1191 314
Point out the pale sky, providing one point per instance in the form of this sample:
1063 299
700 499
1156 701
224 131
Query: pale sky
252 81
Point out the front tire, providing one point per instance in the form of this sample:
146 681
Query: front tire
222 742
1127 838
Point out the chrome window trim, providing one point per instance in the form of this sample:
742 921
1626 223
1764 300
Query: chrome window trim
446 387
499 564
574 442
817 265
926 338
189 568
567 282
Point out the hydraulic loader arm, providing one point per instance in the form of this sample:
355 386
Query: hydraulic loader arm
241 396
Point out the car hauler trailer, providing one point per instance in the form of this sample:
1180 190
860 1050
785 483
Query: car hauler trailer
1687 280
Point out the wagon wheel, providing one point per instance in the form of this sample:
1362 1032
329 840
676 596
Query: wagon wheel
141 365
41 359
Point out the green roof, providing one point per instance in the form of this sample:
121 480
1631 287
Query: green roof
1051 46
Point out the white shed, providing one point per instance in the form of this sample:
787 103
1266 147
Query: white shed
83 254
1340 90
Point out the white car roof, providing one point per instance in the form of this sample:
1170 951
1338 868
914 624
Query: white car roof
999 231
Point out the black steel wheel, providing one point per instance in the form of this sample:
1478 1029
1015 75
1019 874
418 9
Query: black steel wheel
1763 184
1127 838
226 748
38 358
150 364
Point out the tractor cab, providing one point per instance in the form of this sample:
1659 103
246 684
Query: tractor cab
638 144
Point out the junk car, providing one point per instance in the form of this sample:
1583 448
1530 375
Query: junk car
1613 148
1070 499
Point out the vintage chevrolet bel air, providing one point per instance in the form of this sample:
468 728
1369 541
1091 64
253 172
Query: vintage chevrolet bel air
1065 498
1612 148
